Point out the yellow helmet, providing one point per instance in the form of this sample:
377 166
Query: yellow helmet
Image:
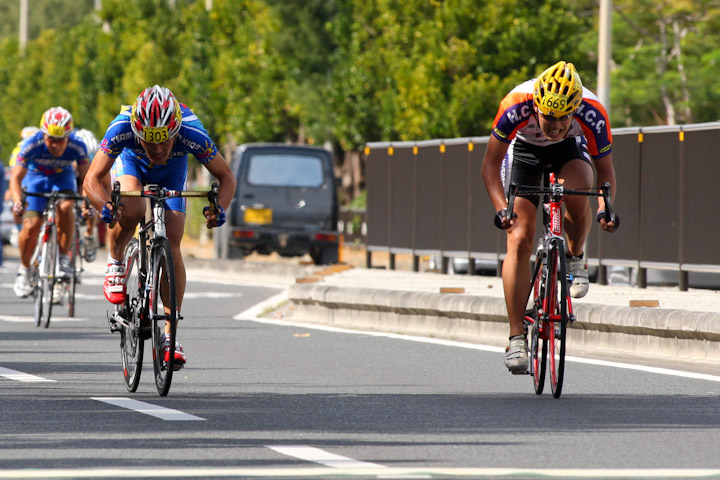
558 90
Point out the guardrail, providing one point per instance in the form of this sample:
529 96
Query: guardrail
428 198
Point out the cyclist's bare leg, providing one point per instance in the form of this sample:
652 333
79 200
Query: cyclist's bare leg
66 225
577 174
516 267
133 211
175 230
27 239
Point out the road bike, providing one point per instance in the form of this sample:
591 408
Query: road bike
44 263
549 304
151 300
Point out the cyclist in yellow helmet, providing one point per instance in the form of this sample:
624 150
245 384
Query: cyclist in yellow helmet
548 123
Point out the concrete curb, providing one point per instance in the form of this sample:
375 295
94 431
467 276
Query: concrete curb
678 334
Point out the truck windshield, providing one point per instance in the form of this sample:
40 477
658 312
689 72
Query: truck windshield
282 170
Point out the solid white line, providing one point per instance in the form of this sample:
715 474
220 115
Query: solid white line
259 308
323 472
21 377
486 348
317 455
213 295
21 319
147 408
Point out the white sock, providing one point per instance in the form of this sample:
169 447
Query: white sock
112 260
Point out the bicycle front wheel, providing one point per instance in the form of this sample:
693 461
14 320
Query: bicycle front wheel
163 314
46 278
557 316
538 346
131 337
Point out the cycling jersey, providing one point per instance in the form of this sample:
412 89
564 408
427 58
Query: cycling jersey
46 172
35 156
516 119
123 145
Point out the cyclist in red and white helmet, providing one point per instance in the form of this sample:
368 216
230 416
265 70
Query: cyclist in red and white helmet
46 162
149 143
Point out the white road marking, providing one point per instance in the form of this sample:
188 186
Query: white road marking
317 455
473 346
324 472
213 295
21 376
148 408
27 319
259 308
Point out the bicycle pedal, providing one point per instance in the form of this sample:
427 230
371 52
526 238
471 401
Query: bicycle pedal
113 323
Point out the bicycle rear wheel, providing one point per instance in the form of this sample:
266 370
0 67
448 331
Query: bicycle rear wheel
557 316
75 252
538 346
131 339
163 309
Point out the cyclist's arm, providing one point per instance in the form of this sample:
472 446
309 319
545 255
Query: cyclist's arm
490 170
96 178
219 169
605 173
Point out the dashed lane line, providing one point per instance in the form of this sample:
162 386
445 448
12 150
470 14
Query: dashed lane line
148 409
322 457
22 376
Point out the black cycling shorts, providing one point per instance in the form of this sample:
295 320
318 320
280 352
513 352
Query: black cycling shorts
525 164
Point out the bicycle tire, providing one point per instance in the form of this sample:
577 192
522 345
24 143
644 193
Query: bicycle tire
131 340
163 298
538 347
557 316
47 275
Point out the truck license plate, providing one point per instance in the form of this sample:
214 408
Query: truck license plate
258 215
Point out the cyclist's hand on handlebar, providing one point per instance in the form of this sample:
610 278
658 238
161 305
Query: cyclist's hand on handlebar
87 210
501 220
608 225
215 219
18 208
107 213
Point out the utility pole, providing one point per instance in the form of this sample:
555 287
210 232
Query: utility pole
23 24
604 52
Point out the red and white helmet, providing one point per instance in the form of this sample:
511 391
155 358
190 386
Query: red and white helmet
156 115
56 122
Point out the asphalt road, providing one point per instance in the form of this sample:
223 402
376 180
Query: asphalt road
268 397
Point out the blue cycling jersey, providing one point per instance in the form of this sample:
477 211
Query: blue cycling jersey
46 172
35 156
123 145
192 138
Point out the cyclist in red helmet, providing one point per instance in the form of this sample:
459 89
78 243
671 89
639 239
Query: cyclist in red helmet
46 162
149 143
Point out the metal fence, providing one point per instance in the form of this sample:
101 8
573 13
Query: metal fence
428 198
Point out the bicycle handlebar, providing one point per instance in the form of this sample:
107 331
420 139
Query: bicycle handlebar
160 193
556 191
56 195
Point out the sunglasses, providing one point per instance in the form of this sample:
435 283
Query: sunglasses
550 118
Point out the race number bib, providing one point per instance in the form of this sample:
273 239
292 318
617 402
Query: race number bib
155 134
554 101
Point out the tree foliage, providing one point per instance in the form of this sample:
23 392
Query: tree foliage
350 71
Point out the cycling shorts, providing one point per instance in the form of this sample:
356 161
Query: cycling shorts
526 164
171 178
36 182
